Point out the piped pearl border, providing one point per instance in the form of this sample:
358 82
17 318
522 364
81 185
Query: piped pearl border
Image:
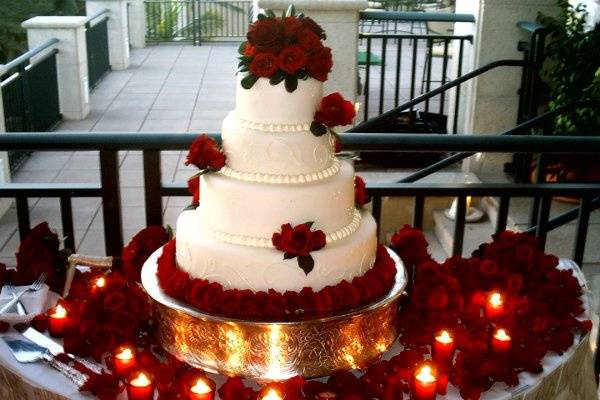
282 179
254 241
274 128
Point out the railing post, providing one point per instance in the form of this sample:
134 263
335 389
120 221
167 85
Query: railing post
111 202
136 13
71 60
118 31
340 19
4 164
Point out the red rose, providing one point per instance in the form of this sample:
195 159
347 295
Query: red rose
291 27
234 389
275 305
310 24
114 301
309 41
264 64
298 240
292 58
360 191
249 50
141 246
194 189
337 145
319 64
411 246
335 111
266 35
205 153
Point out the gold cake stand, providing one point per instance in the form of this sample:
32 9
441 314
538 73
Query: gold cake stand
267 351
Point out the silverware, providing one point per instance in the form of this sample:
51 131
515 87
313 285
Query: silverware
21 310
41 340
27 352
35 286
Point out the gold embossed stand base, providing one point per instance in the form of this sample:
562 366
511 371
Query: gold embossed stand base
275 350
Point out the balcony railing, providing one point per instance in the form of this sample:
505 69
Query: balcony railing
197 20
96 37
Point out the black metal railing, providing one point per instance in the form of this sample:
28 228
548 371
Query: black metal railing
397 61
30 93
197 20
96 38
151 145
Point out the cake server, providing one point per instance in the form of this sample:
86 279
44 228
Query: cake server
28 352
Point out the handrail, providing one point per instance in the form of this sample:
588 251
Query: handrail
31 53
416 16
443 88
531 26
565 217
365 35
390 142
97 14
513 131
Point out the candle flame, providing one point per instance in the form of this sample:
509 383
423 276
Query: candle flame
59 312
444 337
468 201
495 299
101 282
141 380
125 354
425 375
502 335
201 387
357 107
272 395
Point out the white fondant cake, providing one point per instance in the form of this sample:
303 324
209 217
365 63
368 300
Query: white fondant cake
276 172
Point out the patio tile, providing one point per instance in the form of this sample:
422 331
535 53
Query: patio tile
165 125
78 176
181 115
132 197
46 161
38 176
175 101
110 125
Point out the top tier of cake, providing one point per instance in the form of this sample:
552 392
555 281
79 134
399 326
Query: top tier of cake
274 108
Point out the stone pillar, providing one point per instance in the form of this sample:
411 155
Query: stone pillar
137 23
4 165
339 18
118 32
72 65
491 101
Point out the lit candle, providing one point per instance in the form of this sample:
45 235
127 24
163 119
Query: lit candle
501 341
425 384
443 348
494 307
123 361
100 282
57 321
201 390
327 396
140 388
272 395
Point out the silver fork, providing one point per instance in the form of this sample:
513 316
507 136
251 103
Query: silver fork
35 286
21 310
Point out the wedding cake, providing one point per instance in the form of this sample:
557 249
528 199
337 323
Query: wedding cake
278 212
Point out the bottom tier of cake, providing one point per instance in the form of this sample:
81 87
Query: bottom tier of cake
260 269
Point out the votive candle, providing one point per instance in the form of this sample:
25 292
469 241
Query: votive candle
272 394
425 387
327 395
57 321
123 361
140 388
201 390
443 348
494 307
501 341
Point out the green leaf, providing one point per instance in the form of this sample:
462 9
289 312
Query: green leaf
300 16
261 16
270 13
302 74
291 83
277 77
190 207
242 48
318 129
306 263
249 81
243 68
245 59
290 11
287 256
309 224
170 233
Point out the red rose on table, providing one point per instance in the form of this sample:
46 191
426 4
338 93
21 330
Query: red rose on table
310 23
194 188
360 191
141 246
266 35
335 111
291 59
264 64
319 64
205 154
298 240
291 27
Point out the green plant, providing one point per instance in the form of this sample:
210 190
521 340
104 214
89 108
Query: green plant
572 68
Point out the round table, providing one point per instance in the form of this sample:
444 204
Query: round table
566 377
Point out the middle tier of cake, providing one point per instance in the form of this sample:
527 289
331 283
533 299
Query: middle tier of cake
248 213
